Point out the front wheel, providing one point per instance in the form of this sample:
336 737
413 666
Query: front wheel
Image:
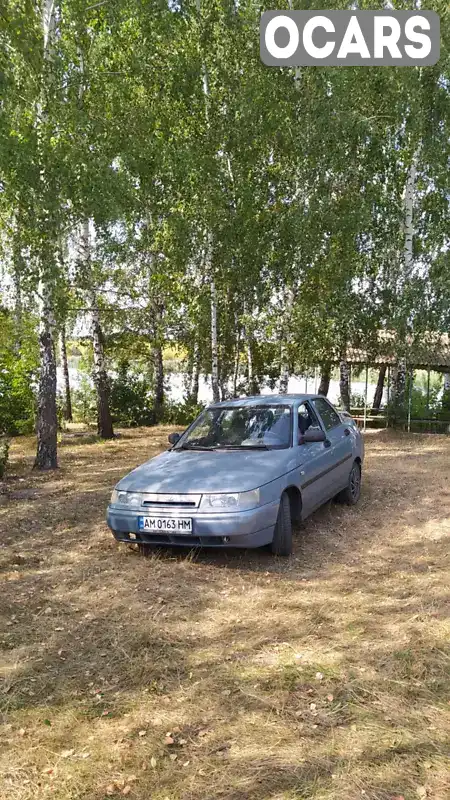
282 537
352 492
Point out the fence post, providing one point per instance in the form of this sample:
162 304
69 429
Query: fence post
428 391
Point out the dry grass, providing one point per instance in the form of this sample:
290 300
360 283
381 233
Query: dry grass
323 677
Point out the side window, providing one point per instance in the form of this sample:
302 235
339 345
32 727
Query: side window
306 418
329 416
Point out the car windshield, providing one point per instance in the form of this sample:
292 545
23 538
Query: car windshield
262 427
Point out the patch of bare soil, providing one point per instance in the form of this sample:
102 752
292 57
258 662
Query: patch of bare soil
231 675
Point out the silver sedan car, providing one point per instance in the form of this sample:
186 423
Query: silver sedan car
240 475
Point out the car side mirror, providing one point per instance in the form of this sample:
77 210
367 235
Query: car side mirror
174 437
313 435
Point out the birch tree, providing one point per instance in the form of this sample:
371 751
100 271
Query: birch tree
47 421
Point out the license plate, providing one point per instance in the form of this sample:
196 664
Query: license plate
165 524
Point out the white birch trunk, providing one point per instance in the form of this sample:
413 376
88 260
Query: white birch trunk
17 282
100 374
285 339
284 372
195 378
289 295
65 369
208 263
47 418
236 355
410 187
251 380
214 345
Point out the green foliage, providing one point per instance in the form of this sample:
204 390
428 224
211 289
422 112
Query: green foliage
18 375
181 413
419 408
84 402
130 399
445 405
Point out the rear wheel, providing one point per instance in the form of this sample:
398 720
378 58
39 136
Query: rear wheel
352 492
282 537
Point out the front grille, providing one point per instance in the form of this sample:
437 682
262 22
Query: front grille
168 504
171 500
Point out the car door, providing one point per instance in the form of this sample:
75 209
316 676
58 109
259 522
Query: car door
341 444
316 461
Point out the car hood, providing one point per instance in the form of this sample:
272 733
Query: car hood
190 472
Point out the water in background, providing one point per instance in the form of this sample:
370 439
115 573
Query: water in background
175 386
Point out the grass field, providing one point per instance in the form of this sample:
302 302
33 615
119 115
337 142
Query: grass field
226 675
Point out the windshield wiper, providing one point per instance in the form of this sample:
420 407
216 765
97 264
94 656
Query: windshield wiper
194 447
244 447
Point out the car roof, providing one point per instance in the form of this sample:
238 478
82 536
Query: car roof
265 400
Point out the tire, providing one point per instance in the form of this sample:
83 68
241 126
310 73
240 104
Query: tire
351 494
282 537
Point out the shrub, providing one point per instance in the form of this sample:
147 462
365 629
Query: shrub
181 413
131 399
84 405
18 375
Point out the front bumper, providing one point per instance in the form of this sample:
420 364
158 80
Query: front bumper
235 529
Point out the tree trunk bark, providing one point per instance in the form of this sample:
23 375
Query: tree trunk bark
18 305
100 375
397 411
344 384
252 386
410 188
236 358
325 377
158 367
195 379
285 339
214 345
208 257
47 417
378 396
67 397
284 373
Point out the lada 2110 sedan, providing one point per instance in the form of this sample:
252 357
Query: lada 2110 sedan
241 474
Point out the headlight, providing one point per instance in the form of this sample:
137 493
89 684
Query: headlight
241 501
126 498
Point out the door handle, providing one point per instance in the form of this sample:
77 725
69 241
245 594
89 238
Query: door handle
327 443
347 432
